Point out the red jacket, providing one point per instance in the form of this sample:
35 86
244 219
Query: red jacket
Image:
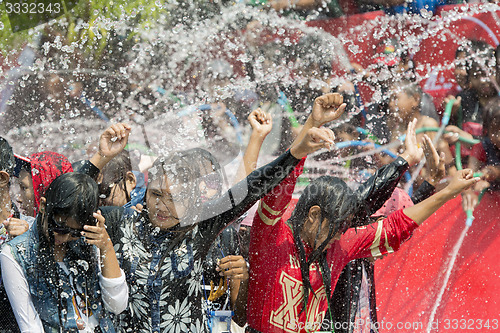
275 297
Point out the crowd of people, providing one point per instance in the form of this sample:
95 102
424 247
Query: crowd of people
173 244
97 248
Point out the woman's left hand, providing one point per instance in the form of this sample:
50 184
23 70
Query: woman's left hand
233 267
97 235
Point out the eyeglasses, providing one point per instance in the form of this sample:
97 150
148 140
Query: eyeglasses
64 230
105 189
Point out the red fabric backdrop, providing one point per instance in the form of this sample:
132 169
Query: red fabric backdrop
408 282
433 46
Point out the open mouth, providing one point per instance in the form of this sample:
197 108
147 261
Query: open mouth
163 217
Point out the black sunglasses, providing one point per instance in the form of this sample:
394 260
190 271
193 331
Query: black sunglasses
64 230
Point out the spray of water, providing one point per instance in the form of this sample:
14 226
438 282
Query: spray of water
447 275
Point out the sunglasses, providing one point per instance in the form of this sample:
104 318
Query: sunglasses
64 230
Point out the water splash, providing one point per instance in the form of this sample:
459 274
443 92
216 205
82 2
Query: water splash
451 264
153 70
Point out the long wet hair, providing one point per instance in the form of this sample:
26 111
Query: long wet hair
70 195
187 168
340 206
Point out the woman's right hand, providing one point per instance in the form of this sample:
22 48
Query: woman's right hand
261 122
413 152
315 139
97 235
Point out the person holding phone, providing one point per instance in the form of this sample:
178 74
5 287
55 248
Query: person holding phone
63 275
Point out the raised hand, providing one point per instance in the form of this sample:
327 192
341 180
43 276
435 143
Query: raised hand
413 152
97 235
261 122
435 162
113 140
233 267
327 108
314 139
462 180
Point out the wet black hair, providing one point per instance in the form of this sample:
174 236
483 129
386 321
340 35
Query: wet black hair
339 205
478 56
69 195
72 195
115 171
7 161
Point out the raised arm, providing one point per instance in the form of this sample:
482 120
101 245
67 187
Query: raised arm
262 124
112 141
462 180
219 213
378 189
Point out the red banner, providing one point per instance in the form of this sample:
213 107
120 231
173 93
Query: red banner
431 42
410 281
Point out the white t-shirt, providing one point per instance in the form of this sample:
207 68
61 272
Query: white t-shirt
114 295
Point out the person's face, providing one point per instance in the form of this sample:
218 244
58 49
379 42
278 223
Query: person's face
482 82
323 235
401 105
26 198
460 70
166 202
118 192
65 229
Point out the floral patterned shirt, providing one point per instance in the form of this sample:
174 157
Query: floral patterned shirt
165 269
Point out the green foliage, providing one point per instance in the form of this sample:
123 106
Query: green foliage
91 24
